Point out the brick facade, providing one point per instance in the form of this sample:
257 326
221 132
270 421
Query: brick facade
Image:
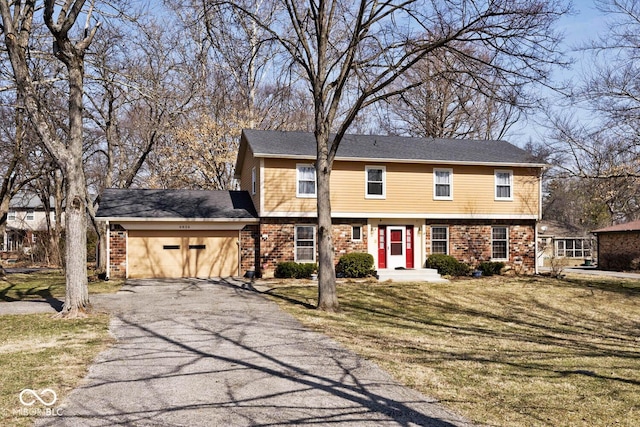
265 245
470 241
249 256
277 240
118 251
619 250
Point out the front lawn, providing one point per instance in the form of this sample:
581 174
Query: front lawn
46 284
505 351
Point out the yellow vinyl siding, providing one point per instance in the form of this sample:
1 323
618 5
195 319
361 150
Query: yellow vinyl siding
409 189
249 163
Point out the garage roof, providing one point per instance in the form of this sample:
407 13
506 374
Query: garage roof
119 204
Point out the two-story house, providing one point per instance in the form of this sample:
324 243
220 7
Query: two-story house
26 217
399 199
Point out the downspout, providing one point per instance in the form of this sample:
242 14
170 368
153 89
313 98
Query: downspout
108 249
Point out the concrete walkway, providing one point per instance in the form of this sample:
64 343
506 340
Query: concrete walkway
215 353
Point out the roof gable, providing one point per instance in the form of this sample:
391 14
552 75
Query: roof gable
175 204
389 148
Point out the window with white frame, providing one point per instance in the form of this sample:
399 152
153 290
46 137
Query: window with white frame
443 184
253 181
504 184
305 243
306 181
573 248
440 240
500 243
375 182
11 216
356 233
31 215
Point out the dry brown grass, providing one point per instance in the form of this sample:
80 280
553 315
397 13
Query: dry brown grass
502 351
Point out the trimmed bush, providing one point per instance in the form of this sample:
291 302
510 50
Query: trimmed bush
294 270
447 265
356 265
489 268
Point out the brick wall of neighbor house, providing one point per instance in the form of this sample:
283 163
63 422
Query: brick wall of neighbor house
470 242
249 238
277 240
619 251
117 251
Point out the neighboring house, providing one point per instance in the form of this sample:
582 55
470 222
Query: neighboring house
26 217
619 247
399 199
559 242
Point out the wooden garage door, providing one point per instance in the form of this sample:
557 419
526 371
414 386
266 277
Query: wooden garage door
182 253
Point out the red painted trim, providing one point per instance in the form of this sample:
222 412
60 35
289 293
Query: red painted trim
382 246
409 244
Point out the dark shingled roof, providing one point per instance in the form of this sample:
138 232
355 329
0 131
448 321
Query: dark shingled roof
187 204
373 147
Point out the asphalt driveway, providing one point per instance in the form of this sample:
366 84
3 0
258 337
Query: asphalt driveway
216 353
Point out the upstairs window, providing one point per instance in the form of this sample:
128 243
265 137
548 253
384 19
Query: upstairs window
504 184
11 216
306 181
375 185
443 184
31 215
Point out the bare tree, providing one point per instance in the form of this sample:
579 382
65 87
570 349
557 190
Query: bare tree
67 150
351 54
456 99
595 133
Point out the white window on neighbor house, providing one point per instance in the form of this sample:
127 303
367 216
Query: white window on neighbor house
375 182
573 248
356 233
443 184
305 243
253 181
499 243
440 240
504 184
306 181
31 215
11 216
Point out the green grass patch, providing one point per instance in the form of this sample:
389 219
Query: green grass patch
507 351
47 284
37 352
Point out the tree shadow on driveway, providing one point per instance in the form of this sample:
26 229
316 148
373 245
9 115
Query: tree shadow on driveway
215 353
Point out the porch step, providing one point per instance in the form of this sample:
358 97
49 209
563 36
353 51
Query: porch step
411 275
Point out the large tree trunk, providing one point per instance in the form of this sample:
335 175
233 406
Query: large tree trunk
327 295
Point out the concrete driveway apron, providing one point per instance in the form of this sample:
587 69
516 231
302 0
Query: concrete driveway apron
216 353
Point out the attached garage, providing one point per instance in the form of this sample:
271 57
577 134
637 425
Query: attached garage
178 253
178 233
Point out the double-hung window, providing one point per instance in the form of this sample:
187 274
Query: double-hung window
443 184
306 181
31 215
500 243
11 216
440 240
375 182
504 184
305 243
